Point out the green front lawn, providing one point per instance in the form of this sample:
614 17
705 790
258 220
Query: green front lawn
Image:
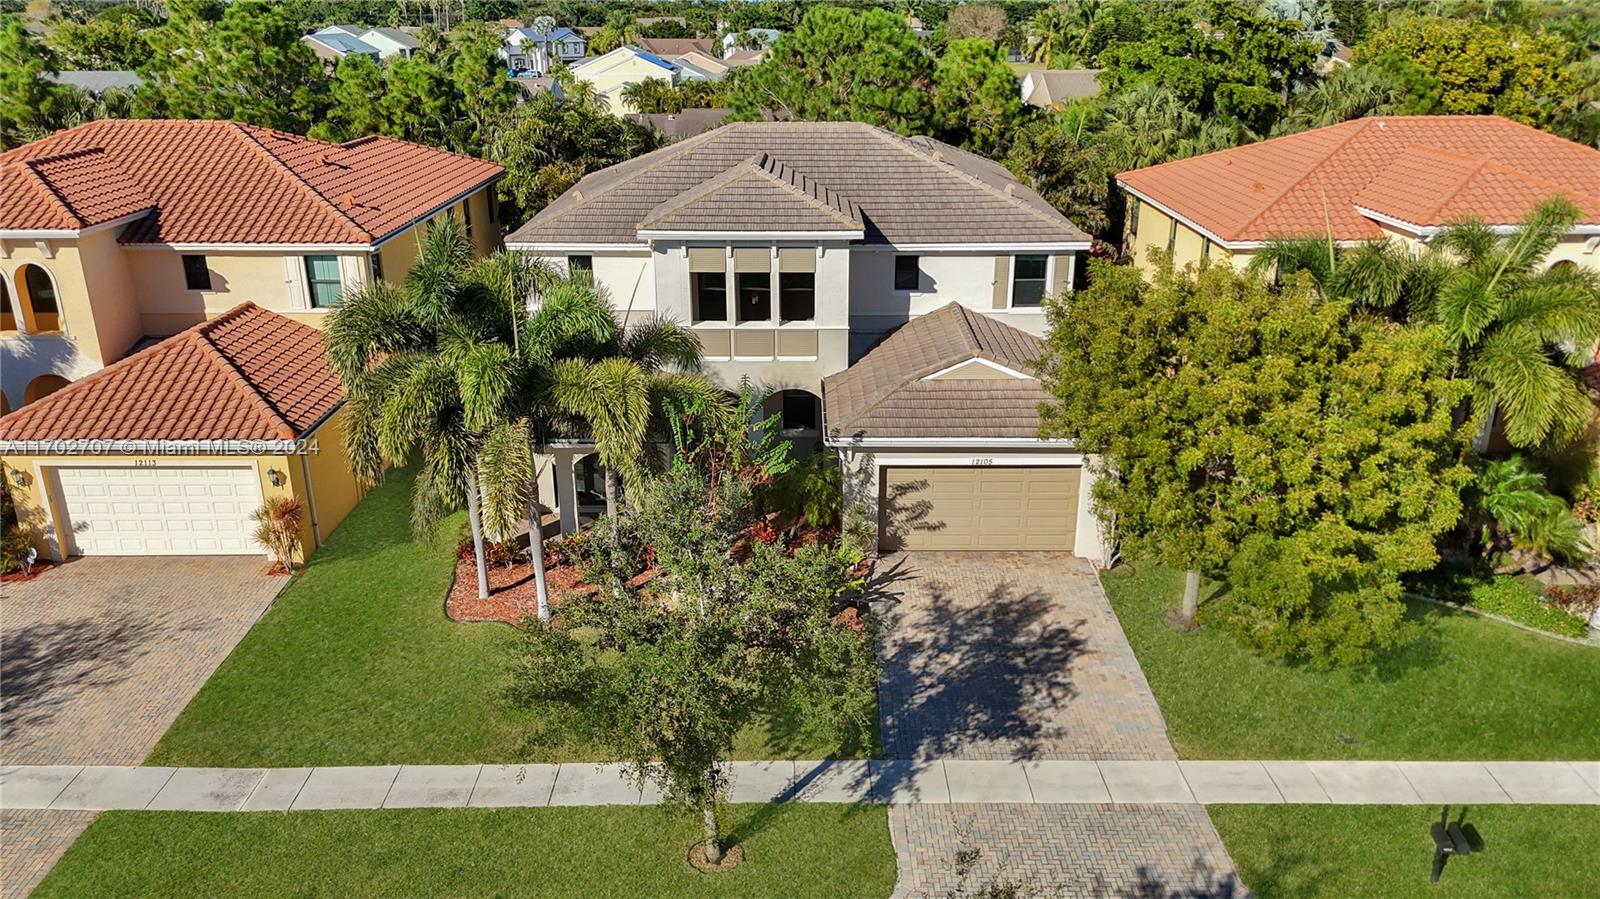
356 664
1469 689
791 851
1313 851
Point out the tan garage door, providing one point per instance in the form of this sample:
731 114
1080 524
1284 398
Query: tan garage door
980 508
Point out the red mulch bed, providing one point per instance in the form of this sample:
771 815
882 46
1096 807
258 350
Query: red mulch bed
511 592
17 577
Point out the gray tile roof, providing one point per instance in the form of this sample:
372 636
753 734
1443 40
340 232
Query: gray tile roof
1059 85
909 190
687 122
747 196
883 394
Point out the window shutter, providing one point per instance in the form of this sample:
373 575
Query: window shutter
752 259
707 259
797 259
1002 280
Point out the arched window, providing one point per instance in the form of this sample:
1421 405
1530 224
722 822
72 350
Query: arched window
41 310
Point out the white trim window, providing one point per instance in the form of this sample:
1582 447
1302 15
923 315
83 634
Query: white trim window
708 297
1030 280
324 282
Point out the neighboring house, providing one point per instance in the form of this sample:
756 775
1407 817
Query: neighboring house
1399 178
335 42
391 42
738 59
97 81
525 58
170 450
561 44
668 47
1049 88
706 66
610 73
753 40
117 230
791 249
533 85
685 123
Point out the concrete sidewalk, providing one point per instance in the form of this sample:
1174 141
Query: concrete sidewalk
71 787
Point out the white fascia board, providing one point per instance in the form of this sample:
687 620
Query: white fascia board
751 235
535 247
979 360
378 242
70 233
951 442
1008 248
1424 232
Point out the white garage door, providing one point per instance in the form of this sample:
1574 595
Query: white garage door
162 511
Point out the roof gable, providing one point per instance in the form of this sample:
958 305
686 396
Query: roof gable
217 182
248 374
751 197
1436 167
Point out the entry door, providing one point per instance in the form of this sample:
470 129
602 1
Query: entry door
162 511
986 508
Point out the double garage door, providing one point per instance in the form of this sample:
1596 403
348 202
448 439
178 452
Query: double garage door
162 511
979 508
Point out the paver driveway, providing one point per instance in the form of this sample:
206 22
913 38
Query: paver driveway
1019 656
97 658
1009 656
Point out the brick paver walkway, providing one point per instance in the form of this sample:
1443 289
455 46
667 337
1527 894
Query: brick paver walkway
1019 656
97 658
1067 851
1009 656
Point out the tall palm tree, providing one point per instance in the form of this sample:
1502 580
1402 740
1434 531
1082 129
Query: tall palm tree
397 350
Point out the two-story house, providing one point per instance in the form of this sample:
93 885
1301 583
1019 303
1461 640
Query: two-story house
890 289
1397 178
528 48
121 230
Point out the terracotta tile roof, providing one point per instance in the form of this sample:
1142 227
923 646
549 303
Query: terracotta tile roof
884 395
248 374
223 182
748 196
1426 170
908 190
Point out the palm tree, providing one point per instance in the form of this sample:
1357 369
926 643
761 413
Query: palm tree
1348 92
1052 36
397 350
1521 333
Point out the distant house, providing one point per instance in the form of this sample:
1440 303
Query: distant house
741 58
97 81
525 58
335 42
563 44
534 85
612 72
1052 87
686 123
391 42
708 67
754 38
667 47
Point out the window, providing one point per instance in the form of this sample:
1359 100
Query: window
466 216
799 411
1205 249
1133 216
710 297
907 272
196 276
577 264
1028 280
797 296
376 258
755 297
1172 236
323 284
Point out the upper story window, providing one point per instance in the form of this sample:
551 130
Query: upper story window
797 296
708 296
907 272
376 259
577 264
755 296
1172 236
196 275
1133 216
1205 249
466 216
323 284
1028 277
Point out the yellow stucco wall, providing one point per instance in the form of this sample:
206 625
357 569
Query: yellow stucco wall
331 486
167 305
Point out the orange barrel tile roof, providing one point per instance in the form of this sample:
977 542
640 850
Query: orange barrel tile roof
1425 171
214 182
248 374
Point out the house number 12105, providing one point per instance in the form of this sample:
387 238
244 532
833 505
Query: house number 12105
982 461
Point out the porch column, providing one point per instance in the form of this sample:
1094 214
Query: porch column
567 489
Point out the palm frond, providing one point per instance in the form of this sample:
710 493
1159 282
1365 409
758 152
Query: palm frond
487 376
372 322
505 471
1539 399
657 342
